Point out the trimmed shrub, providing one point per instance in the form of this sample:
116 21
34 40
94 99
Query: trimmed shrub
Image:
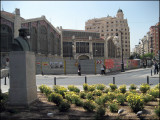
144 88
73 98
60 90
157 111
132 87
100 87
154 92
157 86
91 88
146 98
111 95
85 87
99 100
106 90
82 95
100 112
89 105
97 92
135 102
120 98
64 106
56 98
113 107
113 87
122 88
73 88
41 88
90 96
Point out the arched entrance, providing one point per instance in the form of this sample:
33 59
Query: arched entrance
83 57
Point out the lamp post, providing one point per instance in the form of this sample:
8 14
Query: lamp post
122 64
143 49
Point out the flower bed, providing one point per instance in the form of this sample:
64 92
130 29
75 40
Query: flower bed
100 99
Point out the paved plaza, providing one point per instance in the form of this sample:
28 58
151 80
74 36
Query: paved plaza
136 76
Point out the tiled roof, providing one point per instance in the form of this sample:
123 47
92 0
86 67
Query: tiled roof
9 15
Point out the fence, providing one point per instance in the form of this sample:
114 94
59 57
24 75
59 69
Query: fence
46 65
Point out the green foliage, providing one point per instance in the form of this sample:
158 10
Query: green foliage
89 105
154 92
120 98
45 89
132 87
157 86
73 88
101 100
91 88
100 87
64 106
97 92
82 95
144 88
122 88
56 98
134 55
146 98
90 96
60 90
73 98
135 102
111 95
85 87
106 90
113 107
100 112
157 111
113 87
147 56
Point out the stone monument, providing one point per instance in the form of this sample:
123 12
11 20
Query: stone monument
23 89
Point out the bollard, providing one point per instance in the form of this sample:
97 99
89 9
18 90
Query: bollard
147 79
5 81
151 72
113 80
54 80
86 79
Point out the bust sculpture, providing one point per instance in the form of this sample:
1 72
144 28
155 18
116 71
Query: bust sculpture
21 43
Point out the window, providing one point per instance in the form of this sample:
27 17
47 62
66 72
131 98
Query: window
82 47
98 49
67 49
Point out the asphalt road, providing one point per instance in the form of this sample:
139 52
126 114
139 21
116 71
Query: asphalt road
137 77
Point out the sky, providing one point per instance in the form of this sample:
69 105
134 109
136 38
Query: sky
141 15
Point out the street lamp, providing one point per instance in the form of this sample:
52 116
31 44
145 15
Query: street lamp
143 50
122 64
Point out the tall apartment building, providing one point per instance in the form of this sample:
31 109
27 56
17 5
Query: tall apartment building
155 31
112 26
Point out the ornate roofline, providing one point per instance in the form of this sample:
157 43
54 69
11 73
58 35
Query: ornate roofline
41 18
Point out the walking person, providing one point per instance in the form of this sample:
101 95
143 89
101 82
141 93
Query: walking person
79 69
156 68
102 69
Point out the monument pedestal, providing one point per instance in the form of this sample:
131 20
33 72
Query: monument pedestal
23 89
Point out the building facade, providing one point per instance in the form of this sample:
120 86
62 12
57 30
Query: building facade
155 33
45 39
112 26
79 44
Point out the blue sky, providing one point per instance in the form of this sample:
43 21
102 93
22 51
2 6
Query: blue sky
73 14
